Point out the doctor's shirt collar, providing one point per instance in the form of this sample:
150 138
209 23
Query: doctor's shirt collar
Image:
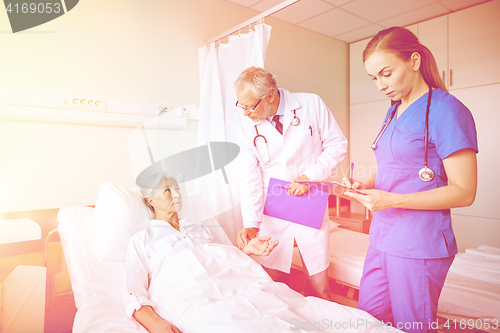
281 106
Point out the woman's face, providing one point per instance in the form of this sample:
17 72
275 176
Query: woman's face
393 76
168 199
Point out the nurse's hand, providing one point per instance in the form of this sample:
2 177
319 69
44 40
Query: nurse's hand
356 185
260 246
244 236
374 200
298 189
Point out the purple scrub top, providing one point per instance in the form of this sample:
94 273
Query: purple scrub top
410 233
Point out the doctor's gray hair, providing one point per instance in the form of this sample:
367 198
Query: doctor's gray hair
261 80
155 182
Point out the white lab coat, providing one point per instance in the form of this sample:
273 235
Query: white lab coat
312 148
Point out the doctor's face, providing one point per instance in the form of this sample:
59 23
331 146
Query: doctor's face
263 107
393 76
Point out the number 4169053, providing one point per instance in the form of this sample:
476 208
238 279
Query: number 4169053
32 8
472 324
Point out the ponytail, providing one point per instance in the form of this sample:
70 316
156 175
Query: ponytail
403 43
429 70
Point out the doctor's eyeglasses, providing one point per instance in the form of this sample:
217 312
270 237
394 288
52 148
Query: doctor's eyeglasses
246 107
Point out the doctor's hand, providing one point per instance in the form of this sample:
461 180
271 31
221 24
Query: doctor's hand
244 236
260 246
298 189
374 200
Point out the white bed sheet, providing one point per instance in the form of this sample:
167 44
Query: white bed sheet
99 287
472 286
467 291
217 288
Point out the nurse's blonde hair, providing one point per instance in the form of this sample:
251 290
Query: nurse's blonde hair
154 183
261 80
403 43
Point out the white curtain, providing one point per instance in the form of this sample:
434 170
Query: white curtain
220 118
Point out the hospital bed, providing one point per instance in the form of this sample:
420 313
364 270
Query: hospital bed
471 290
94 242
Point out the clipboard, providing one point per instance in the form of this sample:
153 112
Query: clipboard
307 209
333 188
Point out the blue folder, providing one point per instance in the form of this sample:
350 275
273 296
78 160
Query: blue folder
307 209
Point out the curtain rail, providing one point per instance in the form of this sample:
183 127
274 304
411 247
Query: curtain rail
261 16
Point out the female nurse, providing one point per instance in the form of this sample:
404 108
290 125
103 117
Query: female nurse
412 244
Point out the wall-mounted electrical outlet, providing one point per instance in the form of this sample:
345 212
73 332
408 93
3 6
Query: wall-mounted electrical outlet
190 111
84 102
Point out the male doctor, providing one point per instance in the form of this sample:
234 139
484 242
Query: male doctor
293 137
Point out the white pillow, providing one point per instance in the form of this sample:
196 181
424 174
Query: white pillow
74 233
120 213
91 278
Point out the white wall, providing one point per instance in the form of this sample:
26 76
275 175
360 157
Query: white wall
307 62
132 50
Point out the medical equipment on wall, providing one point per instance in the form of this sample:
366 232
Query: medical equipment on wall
425 174
295 121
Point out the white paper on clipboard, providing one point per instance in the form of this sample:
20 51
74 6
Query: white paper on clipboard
333 188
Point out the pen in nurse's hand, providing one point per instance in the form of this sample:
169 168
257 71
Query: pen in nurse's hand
351 175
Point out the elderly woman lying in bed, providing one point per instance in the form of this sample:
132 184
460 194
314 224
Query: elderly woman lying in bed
150 249
178 279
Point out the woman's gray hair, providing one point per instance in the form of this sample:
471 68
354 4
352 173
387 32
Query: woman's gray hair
261 80
153 183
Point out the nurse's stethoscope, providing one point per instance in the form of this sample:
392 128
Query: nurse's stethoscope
425 173
295 121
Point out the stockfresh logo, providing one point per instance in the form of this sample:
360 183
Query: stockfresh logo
27 14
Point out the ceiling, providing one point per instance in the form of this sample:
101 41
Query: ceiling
353 20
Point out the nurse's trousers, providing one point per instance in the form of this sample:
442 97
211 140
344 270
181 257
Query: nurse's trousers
402 291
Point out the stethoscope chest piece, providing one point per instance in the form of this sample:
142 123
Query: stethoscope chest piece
426 174
295 119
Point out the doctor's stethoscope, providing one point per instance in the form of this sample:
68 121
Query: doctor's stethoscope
295 121
425 173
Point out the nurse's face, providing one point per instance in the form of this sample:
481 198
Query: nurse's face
264 107
393 76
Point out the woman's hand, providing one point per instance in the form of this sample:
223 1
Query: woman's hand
374 200
356 185
298 189
148 318
260 246
164 326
